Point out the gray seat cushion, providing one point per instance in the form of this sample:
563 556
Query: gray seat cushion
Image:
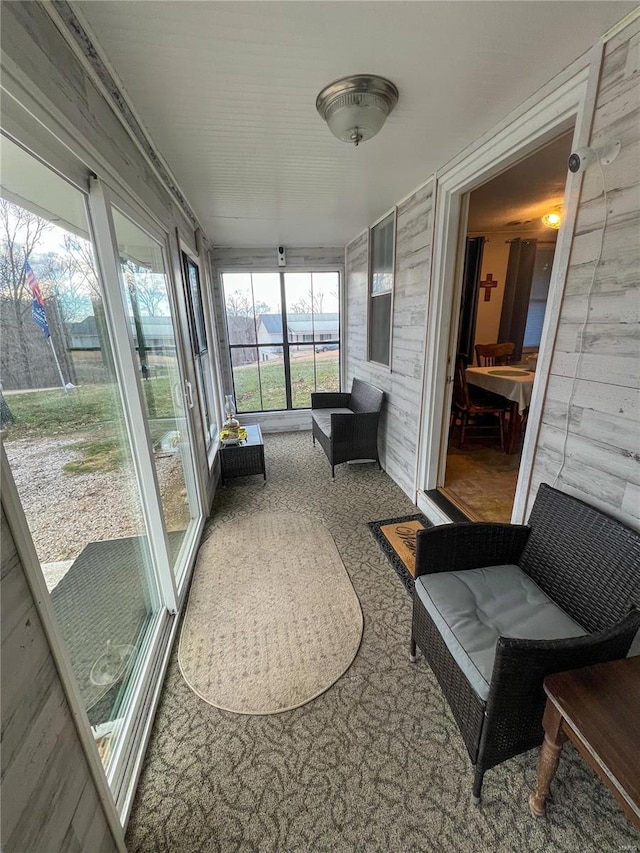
472 608
323 418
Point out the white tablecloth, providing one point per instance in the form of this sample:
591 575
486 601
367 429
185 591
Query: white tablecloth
510 382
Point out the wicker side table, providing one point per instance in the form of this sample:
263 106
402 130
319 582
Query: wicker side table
242 460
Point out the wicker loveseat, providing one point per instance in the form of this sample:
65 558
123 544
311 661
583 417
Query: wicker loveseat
497 607
346 425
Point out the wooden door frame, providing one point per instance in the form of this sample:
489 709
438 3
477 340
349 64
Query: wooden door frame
566 101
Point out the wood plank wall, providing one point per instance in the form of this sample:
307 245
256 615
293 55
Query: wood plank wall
602 463
403 383
49 800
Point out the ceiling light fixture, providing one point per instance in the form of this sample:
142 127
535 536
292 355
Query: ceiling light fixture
552 219
355 108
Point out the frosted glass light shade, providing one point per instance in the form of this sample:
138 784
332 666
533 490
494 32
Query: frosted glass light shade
355 108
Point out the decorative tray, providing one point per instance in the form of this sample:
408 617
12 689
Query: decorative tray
228 438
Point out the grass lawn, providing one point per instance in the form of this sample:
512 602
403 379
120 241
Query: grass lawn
96 409
89 408
271 378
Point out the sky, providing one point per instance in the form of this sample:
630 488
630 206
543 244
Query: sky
266 288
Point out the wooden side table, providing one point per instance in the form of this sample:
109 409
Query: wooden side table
242 460
598 709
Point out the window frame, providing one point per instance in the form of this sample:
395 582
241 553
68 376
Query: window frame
203 357
285 344
371 294
116 783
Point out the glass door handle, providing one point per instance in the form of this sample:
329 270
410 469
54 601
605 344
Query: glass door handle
188 392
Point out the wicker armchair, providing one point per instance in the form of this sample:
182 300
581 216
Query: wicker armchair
346 425
583 563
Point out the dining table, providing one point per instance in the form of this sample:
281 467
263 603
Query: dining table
514 384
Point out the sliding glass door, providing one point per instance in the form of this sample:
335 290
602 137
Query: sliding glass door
96 420
66 439
284 337
153 330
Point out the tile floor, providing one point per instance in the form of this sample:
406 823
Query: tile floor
481 479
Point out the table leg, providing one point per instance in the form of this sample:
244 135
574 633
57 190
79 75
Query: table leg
515 429
550 752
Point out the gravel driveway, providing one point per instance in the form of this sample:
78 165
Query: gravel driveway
67 511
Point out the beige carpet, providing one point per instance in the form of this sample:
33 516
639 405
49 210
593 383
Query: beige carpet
374 765
273 620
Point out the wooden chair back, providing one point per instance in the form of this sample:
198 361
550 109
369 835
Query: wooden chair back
490 355
461 397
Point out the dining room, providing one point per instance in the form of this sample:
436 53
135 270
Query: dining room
512 227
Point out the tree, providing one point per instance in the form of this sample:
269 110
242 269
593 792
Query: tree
20 232
238 304
81 265
56 276
149 288
309 304
242 317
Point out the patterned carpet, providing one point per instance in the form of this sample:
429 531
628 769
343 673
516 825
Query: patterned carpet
376 763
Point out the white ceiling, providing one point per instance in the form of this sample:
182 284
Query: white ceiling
517 199
227 93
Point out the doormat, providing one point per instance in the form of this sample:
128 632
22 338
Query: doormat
397 538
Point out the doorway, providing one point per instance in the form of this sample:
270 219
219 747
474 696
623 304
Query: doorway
511 232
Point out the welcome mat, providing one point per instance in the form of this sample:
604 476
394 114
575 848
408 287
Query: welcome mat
397 538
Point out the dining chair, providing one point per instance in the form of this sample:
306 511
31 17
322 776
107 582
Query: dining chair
490 355
465 408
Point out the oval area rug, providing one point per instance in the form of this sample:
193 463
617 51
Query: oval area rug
272 620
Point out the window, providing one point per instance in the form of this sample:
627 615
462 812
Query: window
381 276
538 297
200 349
274 369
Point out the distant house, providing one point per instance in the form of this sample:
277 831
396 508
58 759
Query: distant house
158 334
83 335
302 329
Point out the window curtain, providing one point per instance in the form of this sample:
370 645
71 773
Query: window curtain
517 292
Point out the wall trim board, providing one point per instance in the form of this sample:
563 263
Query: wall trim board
417 492
621 25
76 32
557 106
359 235
211 325
292 420
26 551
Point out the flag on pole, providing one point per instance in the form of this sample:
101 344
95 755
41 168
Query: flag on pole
37 306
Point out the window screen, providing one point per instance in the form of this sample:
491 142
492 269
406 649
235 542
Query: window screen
382 239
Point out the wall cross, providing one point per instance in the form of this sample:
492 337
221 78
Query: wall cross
488 283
